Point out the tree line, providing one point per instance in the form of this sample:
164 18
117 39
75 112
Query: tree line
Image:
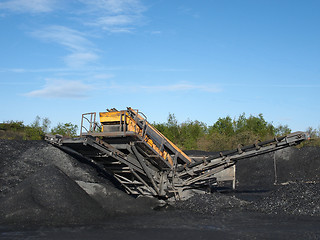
225 134
36 130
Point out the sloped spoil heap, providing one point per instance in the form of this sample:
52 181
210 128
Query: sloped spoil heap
40 184
211 204
49 196
285 182
293 199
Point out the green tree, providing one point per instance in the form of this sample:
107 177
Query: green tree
46 125
259 126
225 134
223 126
172 130
12 130
312 132
12 125
36 131
67 129
190 133
282 130
240 123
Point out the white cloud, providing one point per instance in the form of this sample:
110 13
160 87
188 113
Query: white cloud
114 6
115 20
70 38
59 88
82 50
31 6
117 16
76 60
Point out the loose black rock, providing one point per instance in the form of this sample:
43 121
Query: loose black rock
42 185
211 203
292 199
49 197
43 182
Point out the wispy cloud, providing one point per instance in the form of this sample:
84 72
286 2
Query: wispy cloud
70 38
79 59
82 50
29 6
114 15
115 24
178 87
156 32
103 76
60 88
188 11
183 87
115 20
111 15
114 6
96 69
271 85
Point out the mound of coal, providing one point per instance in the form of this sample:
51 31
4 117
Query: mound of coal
264 181
49 196
27 165
210 203
21 159
292 199
262 172
298 164
288 165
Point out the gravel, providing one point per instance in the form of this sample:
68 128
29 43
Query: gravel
211 203
288 165
20 159
292 199
49 197
41 184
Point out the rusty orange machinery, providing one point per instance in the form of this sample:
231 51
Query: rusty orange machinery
130 121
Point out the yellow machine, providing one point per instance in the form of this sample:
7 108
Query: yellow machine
122 121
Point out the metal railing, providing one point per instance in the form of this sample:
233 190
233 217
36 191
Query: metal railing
89 124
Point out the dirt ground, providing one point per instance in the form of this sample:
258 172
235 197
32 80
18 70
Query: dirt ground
47 194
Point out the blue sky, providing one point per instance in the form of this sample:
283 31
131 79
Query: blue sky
200 60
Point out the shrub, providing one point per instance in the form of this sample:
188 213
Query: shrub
67 129
225 134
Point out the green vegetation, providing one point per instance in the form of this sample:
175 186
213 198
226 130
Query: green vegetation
35 131
226 133
314 138
67 129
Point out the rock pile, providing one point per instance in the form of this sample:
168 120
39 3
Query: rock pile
39 183
211 203
286 165
49 196
293 199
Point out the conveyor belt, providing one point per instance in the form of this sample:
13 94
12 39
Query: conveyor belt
145 162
